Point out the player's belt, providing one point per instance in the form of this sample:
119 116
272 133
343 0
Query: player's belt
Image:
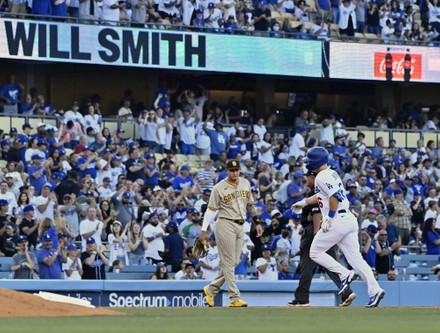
342 211
240 222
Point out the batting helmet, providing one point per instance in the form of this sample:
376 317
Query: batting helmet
316 157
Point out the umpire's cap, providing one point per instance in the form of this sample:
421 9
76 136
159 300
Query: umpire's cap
233 164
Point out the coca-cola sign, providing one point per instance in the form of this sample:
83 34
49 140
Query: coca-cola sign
398 65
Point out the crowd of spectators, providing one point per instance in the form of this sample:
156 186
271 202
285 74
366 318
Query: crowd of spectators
390 20
76 198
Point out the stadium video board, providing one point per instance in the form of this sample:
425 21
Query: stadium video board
180 50
384 62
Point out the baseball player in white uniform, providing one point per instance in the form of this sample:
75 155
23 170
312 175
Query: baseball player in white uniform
339 226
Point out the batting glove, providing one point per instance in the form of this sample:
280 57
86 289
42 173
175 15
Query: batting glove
326 223
298 206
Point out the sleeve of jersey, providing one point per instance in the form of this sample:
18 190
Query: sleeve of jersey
213 203
328 184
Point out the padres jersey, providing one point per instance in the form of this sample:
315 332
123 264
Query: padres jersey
327 184
231 200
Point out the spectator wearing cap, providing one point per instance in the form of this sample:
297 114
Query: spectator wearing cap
105 191
392 231
72 131
70 211
173 247
212 17
73 267
154 234
29 226
135 166
9 236
262 17
46 203
400 157
418 209
13 186
92 227
352 194
183 180
320 28
267 267
296 190
93 260
87 164
189 272
122 203
193 230
7 193
401 216
388 30
24 263
210 265
297 147
151 172
74 115
371 219
49 260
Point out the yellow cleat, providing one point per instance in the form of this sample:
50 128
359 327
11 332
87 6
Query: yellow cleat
209 297
238 304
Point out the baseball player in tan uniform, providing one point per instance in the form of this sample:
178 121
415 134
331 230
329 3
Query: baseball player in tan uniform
232 199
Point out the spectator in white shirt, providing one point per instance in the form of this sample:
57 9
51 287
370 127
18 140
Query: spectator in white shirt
46 203
298 146
91 227
267 267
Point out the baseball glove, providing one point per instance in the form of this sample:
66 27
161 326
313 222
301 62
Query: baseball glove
200 249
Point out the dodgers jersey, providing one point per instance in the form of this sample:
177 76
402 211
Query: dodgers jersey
327 184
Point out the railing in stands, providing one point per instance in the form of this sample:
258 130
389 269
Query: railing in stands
406 138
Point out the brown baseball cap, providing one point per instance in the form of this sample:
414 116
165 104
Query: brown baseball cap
232 164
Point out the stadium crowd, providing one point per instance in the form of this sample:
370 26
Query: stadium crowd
75 198
390 20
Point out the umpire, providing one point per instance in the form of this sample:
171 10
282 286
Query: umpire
310 221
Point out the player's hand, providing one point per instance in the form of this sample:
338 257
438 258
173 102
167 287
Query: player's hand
298 206
259 230
326 223
203 237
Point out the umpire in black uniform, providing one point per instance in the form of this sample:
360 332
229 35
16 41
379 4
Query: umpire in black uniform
311 221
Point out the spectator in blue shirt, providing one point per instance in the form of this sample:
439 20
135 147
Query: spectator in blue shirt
296 190
283 273
49 261
352 194
368 246
174 247
37 172
431 237
10 92
87 164
219 139
183 180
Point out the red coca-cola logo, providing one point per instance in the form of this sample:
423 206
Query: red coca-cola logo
398 65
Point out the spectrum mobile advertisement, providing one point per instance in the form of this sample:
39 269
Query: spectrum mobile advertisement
383 62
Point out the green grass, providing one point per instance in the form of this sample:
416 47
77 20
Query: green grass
240 320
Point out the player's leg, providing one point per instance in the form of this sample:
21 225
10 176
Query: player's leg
349 245
322 243
307 268
226 237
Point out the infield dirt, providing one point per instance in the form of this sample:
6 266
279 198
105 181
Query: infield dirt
20 304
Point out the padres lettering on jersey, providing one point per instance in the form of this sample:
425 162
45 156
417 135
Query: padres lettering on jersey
236 195
231 200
